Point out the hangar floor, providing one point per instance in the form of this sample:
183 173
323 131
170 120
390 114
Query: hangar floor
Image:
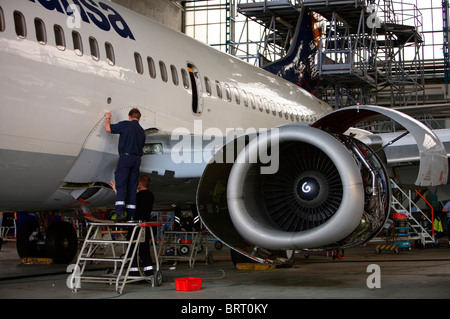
414 274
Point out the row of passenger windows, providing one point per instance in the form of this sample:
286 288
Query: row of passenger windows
247 98
59 36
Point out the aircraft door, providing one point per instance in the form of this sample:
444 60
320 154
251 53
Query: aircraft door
197 90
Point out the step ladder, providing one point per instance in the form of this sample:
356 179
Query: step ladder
418 232
119 251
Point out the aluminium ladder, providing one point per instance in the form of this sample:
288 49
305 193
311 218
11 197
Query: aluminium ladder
420 233
100 235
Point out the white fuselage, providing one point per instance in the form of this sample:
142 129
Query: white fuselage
54 96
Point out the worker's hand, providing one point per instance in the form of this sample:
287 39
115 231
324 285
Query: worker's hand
113 185
107 115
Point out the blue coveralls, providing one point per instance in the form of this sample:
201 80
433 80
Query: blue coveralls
131 142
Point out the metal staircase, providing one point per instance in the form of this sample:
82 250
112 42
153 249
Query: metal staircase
406 206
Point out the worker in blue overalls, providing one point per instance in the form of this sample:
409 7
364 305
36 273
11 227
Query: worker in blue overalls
131 143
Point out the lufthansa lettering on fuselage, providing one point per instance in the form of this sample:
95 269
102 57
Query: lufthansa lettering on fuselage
101 14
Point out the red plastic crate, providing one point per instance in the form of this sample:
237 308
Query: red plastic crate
188 284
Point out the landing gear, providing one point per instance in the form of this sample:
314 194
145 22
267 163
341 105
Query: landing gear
30 240
59 242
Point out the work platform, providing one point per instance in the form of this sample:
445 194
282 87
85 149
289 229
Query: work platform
365 49
283 12
116 244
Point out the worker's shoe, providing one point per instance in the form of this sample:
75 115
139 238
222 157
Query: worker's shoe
119 218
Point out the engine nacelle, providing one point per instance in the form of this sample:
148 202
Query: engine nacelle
328 191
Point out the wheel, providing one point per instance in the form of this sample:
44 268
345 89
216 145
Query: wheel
200 249
61 242
218 245
184 250
158 278
28 238
238 258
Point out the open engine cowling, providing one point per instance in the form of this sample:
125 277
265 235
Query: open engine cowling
327 191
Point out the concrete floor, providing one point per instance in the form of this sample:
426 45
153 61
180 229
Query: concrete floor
415 274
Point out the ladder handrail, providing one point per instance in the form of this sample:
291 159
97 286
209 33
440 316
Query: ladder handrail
432 211
424 232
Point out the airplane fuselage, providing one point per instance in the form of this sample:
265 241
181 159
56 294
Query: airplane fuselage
60 74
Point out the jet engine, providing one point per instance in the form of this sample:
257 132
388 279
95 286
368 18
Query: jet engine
323 189
318 191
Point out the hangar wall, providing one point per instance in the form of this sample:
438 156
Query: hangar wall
163 11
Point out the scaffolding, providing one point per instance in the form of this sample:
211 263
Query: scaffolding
278 20
446 31
369 51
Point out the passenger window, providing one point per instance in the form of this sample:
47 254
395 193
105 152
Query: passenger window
151 67
110 57
266 105
41 35
19 23
174 72
2 20
162 68
290 113
271 107
93 45
77 43
260 103
59 37
282 110
274 108
219 90
245 98
207 85
252 100
228 92
138 62
185 78
237 96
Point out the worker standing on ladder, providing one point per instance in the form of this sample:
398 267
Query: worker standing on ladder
131 143
144 207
